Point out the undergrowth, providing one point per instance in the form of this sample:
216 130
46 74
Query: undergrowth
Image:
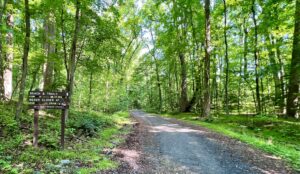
87 134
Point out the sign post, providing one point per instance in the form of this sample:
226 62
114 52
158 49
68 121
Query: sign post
48 100
63 121
36 127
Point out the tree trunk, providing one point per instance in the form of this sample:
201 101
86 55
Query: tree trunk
255 52
183 96
72 64
176 83
226 59
245 49
158 84
245 53
206 90
275 70
239 86
2 96
196 73
281 78
219 66
8 73
294 84
64 43
91 87
214 85
49 48
197 90
25 62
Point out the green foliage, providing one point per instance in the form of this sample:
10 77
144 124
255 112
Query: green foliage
87 134
8 125
128 57
88 125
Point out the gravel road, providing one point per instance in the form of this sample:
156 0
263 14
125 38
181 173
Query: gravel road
171 146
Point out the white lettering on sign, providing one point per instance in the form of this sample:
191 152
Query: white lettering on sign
46 100
42 93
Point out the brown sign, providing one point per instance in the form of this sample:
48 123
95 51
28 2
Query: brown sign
43 93
39 107
48 100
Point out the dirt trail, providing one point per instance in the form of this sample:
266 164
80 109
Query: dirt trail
170 146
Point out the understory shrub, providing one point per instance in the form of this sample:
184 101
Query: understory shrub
88 125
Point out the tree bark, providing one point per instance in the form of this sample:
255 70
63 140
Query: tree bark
72 63
158 85
49 48
294 84
196 71
64 43
281 78
206 85
255 52
3 9
8 73
183 96
239 86
245 71
25 62
91 87
275 70
176 83
226 59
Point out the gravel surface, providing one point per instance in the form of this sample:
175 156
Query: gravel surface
168 146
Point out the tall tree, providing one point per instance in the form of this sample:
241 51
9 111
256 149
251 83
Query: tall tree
49 47
73 61
183 96
2 11
255 52
158 81
180 25
8 73
294 84
275 69
245 51
206 85
25 62
226 59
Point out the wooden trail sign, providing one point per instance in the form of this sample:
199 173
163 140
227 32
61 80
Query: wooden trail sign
52 94
48 100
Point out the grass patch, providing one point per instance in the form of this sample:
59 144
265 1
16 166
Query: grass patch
277 136
87 134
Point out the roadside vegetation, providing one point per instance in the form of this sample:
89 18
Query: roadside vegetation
229 56
271 134
88 133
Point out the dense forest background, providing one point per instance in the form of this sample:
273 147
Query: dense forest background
232 66
221 56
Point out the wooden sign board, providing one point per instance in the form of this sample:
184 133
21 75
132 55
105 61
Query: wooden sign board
40 107
42 93
48 100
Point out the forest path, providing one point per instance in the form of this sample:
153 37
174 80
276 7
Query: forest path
170 146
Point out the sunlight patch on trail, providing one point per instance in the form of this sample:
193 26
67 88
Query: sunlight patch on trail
173 128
